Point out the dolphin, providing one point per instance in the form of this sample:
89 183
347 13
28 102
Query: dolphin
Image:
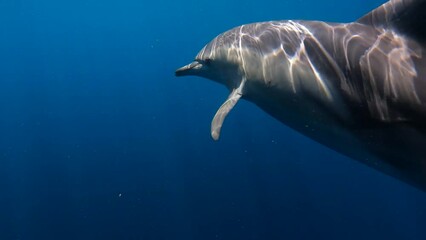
358 88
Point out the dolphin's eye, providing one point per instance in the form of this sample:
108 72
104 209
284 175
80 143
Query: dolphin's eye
207 61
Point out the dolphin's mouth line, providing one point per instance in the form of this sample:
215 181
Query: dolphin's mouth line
188 69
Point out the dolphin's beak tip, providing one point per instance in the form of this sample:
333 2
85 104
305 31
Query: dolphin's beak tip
189 69
181 71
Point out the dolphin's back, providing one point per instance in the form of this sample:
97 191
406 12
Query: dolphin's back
378 66
384 55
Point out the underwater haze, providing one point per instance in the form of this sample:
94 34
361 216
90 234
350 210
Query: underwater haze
99 139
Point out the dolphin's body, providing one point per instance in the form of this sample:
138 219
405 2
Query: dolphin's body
358 88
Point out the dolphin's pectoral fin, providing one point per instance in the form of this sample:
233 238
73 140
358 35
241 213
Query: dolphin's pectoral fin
223 111
226 107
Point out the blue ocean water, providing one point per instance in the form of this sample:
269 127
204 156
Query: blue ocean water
99 140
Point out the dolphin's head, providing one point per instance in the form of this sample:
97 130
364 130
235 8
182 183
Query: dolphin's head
224 60
218 61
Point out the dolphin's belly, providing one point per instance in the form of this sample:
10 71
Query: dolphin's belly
398 150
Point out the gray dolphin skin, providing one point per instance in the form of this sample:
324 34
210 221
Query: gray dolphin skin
358 88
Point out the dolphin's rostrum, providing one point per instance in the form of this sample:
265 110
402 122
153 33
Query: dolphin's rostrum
358 88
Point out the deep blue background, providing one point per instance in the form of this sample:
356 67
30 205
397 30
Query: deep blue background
99 140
